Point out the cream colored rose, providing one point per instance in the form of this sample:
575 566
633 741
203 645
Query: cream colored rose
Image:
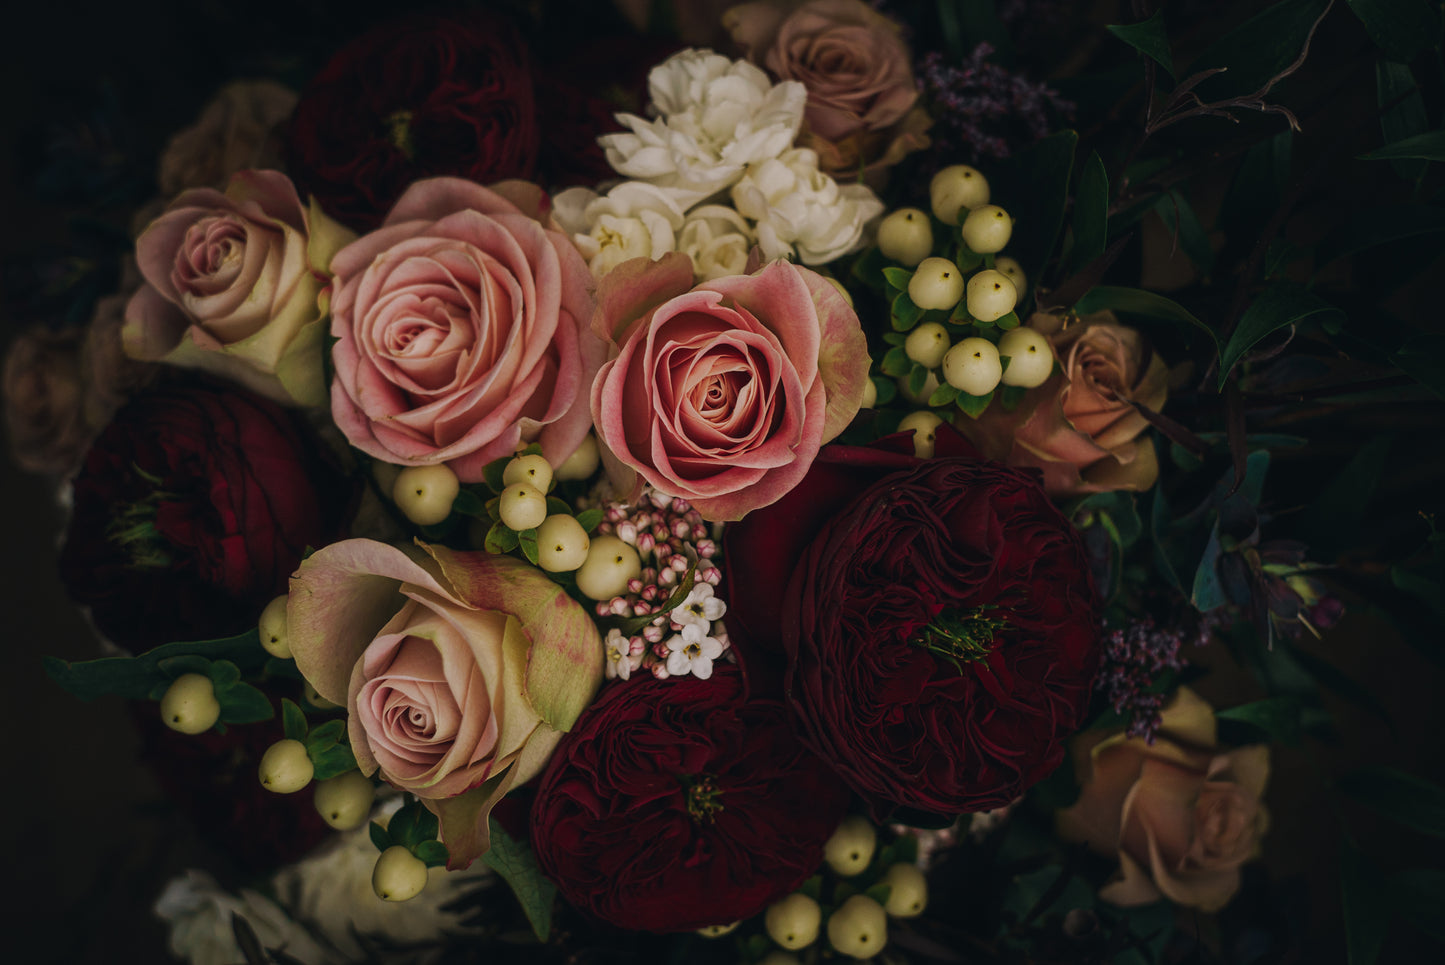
718 240
802 212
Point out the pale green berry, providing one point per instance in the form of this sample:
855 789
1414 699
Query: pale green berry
344 801
1013 270
859 927
717 931
286 767
610 564
908 891
936 283
851 847
531 469
399 875
906 236
1031 361
925 431
870 395
272 626
189 704
926 344
954 189
562 544
987 229
991 295
583 461
522 506
973 366
793 921
424 494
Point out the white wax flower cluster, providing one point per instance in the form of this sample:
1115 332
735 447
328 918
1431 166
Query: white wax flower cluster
719 124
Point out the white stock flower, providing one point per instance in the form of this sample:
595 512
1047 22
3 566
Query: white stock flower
715 116
692 653
800 210
633 220
717 239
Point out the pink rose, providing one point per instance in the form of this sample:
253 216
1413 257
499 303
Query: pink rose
722 394
235 286
462 330
1181 815
1081 428
459 671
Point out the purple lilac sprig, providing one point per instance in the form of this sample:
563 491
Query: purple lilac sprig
982 110
1135 657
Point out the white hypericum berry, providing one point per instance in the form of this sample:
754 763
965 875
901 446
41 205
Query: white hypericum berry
906 236
286 767
925 431
1011 268
851 847
309 694
987 229
272 627
533 470
859 927
344 801
936 283
926 344
973 366
870 395
717 931
399 875
908 894
424 494
189 704
1031 361
793 921
609 565
954 189
562 544
991 295
583 461
522 506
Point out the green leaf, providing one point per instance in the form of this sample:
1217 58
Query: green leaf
1365 895
1379 225
1419 895
967 260
558 507
898 277
904 314
1179 218
943 395
224 675
293 720
174 667
136 677
1258 49
433 853
1034 186
492 473
1275 308
527 539
1409 800
1011 396
1258 186
1091 211
1332 678
380 837
244 704
515 862
1429 146
1277 717
332 761
1333 520
973 405
500 539
1136 301
887 390
469 503
1118 510
326 734
1149 38
1208 592
1010 321
1395 85
589 518
880 893
895 362
1401 28
917 378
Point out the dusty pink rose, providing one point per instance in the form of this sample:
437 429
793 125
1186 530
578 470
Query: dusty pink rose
235 285
459 671
722 394
236 130
462 330
1081 427
861 93
1180 814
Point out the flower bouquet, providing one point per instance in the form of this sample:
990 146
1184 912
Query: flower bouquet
805 481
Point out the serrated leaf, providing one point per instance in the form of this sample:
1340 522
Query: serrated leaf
904 315
527 539
380 837
433 853
943 395
332 761
1136 301
898 277
1275 308
500 539
517 865
895 362
1409 800
293 720
1149 38
588 519
1091 211
244 704
973 405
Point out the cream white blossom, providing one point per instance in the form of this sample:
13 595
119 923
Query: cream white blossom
701 607
717 239
714 117
692 653
620 660
633 220
802 212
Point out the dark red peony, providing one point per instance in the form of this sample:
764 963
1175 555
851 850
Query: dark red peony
675 804
415 98
938 624
192 509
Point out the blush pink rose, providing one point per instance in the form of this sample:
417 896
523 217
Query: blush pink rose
459 671
461 327
722 394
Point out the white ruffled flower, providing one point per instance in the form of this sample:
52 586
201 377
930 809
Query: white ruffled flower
633 220
199 914
701 607
715 116
692 653
800 210
618 655
717 239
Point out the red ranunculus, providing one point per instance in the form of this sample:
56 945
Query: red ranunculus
192 509
415 98
677 804
938 621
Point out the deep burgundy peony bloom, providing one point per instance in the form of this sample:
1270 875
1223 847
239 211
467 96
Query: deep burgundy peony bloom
414 98
677 804
937 618
192 509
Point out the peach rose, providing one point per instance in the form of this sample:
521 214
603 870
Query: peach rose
236 286
1081 427
459 671
1181 815
236 131
862 99
723 393
462 330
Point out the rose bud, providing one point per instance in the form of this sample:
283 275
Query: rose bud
344 801
973 366
523 506
424 494
793 922
956 189
908 891
609 565
906 236
936 283
272 628
926 344
924 425
399 875
987 229
190 705
1031 361
851 847
286 767
991 295
859 927
562 544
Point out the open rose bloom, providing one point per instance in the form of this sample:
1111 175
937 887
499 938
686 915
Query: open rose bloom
1180 814
459 671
